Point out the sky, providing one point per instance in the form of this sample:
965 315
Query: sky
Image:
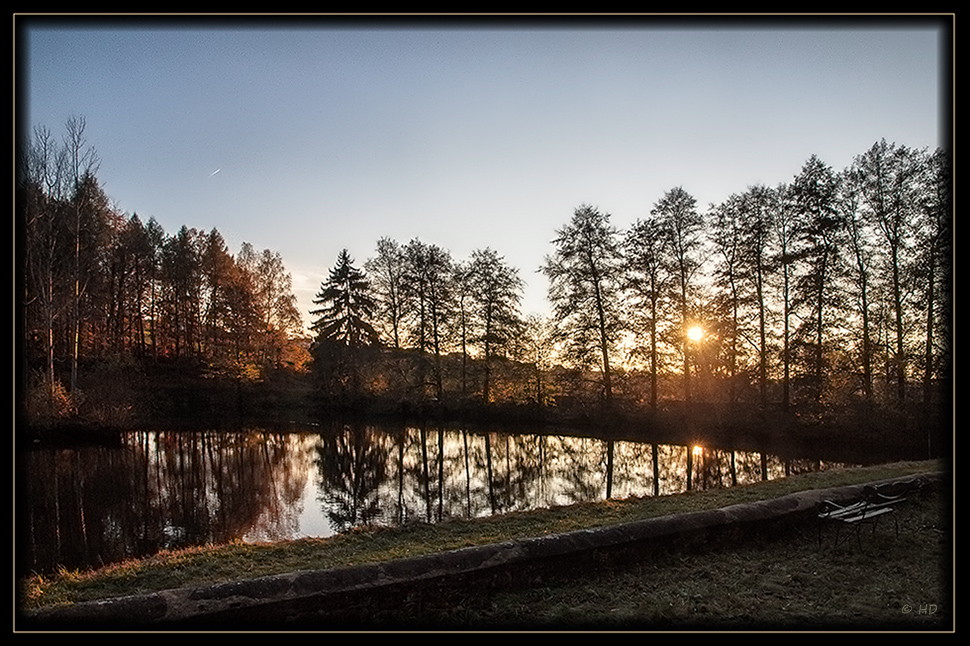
310 136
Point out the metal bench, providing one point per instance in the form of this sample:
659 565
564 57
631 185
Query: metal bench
876 501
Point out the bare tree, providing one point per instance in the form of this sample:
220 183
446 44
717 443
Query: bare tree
646 282
387 274
761 207
861 258
83 163
814 194
585 274
785 235
536 348
725 226
936 271
888 179
496 294
428 300
684 226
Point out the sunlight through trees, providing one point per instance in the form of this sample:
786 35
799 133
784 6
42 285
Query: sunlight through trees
831 289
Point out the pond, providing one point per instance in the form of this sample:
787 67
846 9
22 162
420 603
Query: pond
86 506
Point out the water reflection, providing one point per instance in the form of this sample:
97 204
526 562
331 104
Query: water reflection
83 507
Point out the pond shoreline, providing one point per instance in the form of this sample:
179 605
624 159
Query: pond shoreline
175 397
858 436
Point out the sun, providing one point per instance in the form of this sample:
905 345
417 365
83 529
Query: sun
695 333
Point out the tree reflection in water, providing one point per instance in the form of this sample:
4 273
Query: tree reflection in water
82 507
351 468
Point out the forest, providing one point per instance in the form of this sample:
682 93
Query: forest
826 294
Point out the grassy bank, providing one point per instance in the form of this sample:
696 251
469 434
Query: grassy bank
788 583
197 566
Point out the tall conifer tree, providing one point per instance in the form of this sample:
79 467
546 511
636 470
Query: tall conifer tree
346 306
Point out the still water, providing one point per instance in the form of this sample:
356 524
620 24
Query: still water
83 507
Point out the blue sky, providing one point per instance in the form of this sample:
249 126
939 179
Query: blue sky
466 134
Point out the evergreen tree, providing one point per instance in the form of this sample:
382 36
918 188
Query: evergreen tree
343 332
346 306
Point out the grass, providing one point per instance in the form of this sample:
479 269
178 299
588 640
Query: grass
893 583
787 583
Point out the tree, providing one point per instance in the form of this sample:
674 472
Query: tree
215 266
496 293
44 163
936 272
346 306
93 219
888 180
761 206
584 275
95 283
43 212
677 212
65 217
536 348
645 283
428 300
46 271
155 235
740 235
814 195
128 259
274 301
727 237
387 273
783 262
462 321
861 258
243 325
230 321
89 204
181 277
343 330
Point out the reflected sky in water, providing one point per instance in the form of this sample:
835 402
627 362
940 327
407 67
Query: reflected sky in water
92 505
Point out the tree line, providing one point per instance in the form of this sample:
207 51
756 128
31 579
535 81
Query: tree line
97 284
418 325
834 287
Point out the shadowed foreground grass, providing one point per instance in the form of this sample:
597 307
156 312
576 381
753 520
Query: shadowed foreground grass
778 583
783 582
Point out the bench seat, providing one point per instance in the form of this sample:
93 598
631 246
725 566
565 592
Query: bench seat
869 508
